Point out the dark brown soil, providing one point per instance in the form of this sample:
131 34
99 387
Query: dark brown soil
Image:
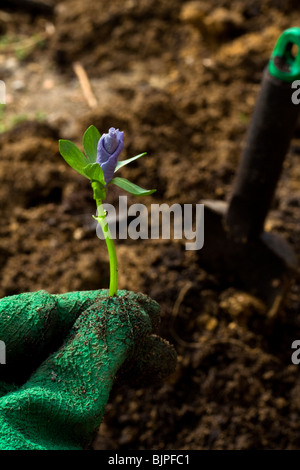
181 79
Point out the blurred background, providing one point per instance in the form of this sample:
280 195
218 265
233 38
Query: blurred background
180 78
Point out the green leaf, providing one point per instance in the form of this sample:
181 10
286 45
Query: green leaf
131 187
90 142
73 156
94 172
129 160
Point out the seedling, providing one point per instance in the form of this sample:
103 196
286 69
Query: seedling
99 163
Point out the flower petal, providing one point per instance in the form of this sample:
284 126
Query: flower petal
108 150
109 168
111 140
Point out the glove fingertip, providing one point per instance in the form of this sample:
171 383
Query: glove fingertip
148 305
155 362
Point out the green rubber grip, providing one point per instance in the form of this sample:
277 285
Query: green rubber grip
284 64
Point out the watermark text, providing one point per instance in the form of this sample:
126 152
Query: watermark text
2 352
2 92
176 221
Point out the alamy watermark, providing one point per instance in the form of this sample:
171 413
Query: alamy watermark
295 357
2 352
296 94
177 221
2 92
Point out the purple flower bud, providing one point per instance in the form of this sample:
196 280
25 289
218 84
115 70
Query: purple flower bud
108 150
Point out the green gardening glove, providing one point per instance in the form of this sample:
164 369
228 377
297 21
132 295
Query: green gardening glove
63 355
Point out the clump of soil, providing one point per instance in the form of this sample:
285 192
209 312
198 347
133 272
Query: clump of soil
181 80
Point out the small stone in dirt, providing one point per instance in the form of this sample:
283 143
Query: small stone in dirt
194 13
224 23
211 324
18 85
218 24
241 305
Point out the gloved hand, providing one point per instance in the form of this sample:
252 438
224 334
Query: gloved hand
63 355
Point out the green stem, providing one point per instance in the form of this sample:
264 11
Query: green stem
113 262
